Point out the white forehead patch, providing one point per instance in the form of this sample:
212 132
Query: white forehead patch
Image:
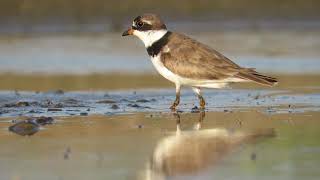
147 22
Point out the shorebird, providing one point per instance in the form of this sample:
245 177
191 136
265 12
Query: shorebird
187 62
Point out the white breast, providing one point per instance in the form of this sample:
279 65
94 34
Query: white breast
166 73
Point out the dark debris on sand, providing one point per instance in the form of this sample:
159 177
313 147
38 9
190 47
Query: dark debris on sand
54 109
107 101
30 126
21 104
67 153
114 106
253 156
44 120
195 109
142 101
25 128
83 114
137 106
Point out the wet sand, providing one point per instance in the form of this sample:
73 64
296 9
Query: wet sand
120 146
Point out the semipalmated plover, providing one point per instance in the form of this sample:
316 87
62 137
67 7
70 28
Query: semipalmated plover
187 62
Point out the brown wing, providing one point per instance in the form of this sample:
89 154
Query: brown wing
192 59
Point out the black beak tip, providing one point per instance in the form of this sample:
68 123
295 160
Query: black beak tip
125 33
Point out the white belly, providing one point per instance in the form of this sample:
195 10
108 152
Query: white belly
166 73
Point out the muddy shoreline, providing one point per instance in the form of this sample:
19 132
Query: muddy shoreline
101 146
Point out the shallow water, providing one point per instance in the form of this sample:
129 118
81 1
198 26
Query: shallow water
15 104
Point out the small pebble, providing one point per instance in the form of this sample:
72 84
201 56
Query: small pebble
54 109
25 128
71 101
257 97
83 114
59 105
140 126
142 100
67 153
59 91
114 106
107 101
195 109
253 156
134 105
23 104
44 120
18 104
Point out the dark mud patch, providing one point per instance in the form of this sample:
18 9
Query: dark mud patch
107 101
54 109
114 106
142 101
21 104
25 128
30 126
134 105
83 114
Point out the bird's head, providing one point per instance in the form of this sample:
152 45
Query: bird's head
147 27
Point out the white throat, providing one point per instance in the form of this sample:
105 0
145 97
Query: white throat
151 36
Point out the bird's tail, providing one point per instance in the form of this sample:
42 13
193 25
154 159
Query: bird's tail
254 76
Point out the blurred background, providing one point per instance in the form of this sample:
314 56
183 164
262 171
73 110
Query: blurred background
77 44
66 61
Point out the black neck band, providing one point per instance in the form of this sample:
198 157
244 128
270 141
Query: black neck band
156 47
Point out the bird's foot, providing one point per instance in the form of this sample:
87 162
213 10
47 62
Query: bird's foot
174 105
202 103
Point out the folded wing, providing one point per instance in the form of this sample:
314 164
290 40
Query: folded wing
191 59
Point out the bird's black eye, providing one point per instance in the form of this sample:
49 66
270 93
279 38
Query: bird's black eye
140 24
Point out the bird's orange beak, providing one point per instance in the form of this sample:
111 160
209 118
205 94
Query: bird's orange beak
128 32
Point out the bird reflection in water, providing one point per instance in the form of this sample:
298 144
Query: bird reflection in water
191 152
